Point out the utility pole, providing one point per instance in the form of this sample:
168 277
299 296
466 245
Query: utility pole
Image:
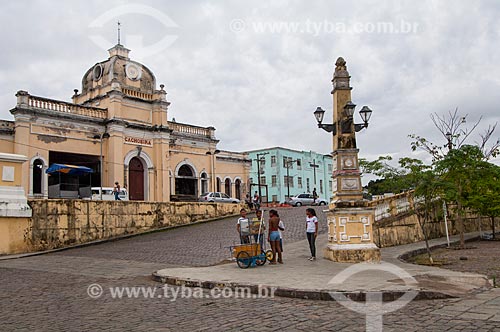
314 166
287 165
101 164
258 172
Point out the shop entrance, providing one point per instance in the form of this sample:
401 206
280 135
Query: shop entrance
186 183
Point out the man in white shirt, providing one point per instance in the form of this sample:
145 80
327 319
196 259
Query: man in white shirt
243 227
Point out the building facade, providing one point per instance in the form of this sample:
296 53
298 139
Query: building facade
289 172
117 125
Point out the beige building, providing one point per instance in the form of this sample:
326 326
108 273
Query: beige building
121 112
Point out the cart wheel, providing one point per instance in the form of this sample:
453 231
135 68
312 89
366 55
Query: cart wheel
269 255
261 259
243 260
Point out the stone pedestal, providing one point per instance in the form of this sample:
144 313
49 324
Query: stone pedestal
350 236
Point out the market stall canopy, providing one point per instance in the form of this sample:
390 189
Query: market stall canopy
68 169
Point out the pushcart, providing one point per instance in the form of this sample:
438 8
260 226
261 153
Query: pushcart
252 253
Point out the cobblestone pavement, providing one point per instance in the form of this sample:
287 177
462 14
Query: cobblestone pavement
50 293
208 242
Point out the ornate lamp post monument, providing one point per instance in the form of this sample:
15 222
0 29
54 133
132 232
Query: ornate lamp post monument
350 217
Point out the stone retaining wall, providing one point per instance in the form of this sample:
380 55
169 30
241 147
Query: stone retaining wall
404 228
60 222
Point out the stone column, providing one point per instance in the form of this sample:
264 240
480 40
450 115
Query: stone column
350 217
15 213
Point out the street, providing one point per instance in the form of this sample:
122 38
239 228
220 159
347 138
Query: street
50 292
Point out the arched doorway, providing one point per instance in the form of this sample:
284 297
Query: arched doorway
227 187
237 188
204 182
37 177
186 182
136 179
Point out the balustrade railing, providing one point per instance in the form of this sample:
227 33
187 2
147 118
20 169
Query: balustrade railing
64 107
138 94
191 130
391 206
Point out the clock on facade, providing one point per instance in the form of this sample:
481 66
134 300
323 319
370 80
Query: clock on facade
133 71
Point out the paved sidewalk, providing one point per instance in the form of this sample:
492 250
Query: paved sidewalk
303 278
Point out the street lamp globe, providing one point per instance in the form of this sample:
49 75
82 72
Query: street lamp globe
319 113
365 114
349 109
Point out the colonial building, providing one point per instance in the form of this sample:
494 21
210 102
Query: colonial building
120 118
284 171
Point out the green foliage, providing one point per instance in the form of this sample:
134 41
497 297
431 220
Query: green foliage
485 200
461 170
394 179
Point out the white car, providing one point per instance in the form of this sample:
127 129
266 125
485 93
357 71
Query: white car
305 199
217 197
108 194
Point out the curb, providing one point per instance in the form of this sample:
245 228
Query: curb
305 294
121 237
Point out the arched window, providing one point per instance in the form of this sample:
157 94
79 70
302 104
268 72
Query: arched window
37 177
204 183
186 182
185 170
227 187
218 184
237 188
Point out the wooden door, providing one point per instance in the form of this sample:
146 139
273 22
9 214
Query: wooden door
136 180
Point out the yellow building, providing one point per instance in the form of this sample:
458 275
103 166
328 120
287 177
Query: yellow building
120 112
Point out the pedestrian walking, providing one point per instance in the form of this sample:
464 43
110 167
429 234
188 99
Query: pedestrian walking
315 196
312 231
116 191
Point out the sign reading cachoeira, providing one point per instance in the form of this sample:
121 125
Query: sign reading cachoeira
135 140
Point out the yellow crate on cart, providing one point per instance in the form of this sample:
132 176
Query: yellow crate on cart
252 249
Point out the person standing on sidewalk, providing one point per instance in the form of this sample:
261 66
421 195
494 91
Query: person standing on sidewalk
243 227
258 228
312 231
256 201
274 236
281 228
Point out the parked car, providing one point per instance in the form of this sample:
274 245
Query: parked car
305 199
107 194
217 197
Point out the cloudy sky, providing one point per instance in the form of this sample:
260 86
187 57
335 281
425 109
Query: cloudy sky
257 70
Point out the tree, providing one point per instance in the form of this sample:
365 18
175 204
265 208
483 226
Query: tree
455 133
457 186
486 199
460 172
426 184
391 179
411 173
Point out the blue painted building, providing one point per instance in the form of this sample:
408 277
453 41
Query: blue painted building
307 170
